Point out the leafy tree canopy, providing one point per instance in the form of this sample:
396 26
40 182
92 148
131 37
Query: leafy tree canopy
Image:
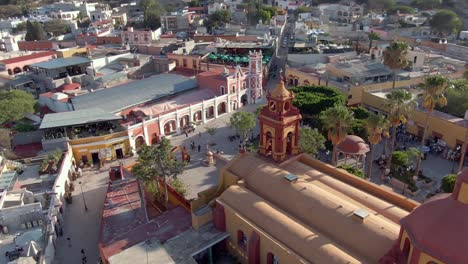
445 22
311 100
34 31
448 183
57 27
360 112
381 4
302 9
243 122
427 4
403 10
311 140
194 3
352 170
457 98
15 104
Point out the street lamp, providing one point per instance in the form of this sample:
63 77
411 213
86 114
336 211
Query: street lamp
82 195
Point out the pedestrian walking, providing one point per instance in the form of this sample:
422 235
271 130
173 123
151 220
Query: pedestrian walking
186 133
199 147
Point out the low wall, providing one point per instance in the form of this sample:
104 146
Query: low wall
369 187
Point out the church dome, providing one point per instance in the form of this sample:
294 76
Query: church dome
280 92
353 145
438 227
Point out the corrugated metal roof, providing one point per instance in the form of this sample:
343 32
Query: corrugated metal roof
79 117
61 62
134 93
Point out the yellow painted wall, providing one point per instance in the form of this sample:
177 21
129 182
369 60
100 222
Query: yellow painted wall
79 150
66 53
463 194
268 244
402 244
425 258
451 131
356 92
302 76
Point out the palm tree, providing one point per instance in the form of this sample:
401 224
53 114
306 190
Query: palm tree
395 57
375 126
434 88
400 105
336 120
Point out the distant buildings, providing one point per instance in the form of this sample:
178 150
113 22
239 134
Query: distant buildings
135 37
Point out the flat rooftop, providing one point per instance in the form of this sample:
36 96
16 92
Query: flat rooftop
79 117
124 223
134 93
61 63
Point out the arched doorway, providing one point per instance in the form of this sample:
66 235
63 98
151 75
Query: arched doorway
139 142
197 116
406 248
221 108
17 70
10 72
184 121
268 143
289 143
210 112
170 127
244 100
26 68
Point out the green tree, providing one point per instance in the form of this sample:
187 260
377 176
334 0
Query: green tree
258 110
310 140
434 88
194 3
20 27
212 132
445 22
402 10
302 9
458 98
337 121
448 183
217 19
427 4
57 27
264 15
360 112
395 57
158 162
311 100
243 123
381 4
373 36
15 104
375 126
34 31
352 170
400 105
152 18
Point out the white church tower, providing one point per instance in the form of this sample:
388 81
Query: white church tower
255 75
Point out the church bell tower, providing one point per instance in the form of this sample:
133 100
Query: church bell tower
255 77
279 125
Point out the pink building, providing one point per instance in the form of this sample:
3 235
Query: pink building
134 37
219 93
21 64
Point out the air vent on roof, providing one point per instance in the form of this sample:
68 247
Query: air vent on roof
290 177
360 214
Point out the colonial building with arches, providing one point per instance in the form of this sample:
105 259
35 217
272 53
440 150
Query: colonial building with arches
22 64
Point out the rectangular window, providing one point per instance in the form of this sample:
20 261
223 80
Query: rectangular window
233 89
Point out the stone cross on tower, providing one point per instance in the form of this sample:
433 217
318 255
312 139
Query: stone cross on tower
255 77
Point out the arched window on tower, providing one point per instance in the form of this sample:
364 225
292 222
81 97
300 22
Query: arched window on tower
406 248
241 239
272 259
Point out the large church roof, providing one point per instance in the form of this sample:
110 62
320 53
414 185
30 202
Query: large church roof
321 203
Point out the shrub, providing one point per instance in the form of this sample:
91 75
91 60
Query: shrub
179 186
352 170
448 183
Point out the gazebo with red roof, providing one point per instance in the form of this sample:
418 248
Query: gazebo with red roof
354 147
